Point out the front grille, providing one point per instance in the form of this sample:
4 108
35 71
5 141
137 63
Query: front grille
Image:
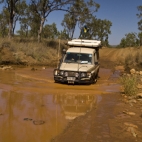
71 74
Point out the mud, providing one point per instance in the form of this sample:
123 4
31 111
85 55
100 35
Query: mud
34 108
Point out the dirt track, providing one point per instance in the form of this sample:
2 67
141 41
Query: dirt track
29 98
34 108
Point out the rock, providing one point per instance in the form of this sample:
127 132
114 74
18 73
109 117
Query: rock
130 97
43 68
137 72
128 75
130 125
131 113
132 101
132 71
139 99
139 86
140 72
132 130
28 119
38 122
6 68
139 95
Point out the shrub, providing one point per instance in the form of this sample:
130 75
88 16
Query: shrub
138 58
130 84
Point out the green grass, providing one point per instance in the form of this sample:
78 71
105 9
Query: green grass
130 84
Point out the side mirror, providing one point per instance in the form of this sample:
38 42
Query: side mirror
64 51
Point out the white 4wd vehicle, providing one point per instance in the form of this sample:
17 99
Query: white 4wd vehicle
80 63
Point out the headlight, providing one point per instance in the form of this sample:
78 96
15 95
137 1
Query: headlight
83 74
66 73
56 72
76 74
61 72
88 74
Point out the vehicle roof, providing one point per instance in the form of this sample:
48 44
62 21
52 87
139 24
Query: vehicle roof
81 50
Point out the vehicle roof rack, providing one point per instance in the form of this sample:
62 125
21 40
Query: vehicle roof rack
84 43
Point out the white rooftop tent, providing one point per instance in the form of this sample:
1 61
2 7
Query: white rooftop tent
84 42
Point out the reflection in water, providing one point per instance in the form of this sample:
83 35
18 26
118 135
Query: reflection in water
39 117
23 116
75 105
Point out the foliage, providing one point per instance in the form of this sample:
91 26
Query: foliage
130 40
69 23
63 35
140 17
99 29
43 8
33 14
13 8
3 25
79 13
50 31
24 20
130 84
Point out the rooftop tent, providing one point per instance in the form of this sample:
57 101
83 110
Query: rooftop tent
84 43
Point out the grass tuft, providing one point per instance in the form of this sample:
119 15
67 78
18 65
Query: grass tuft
130 84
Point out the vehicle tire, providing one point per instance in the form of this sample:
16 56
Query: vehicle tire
55 81
95 78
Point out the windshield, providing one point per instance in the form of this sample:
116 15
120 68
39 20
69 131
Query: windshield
81 58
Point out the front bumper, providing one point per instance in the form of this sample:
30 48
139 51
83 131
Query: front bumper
76 80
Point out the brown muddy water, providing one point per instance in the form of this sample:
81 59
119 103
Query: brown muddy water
35 109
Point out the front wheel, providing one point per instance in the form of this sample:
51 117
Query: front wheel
94 79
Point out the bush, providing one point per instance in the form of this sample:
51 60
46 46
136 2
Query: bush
130 84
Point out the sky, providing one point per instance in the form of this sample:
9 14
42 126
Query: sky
122 14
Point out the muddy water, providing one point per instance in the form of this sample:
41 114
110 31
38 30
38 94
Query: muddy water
34 108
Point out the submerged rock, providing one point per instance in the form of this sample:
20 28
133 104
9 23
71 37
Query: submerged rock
38 122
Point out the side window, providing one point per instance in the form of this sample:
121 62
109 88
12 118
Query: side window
96 58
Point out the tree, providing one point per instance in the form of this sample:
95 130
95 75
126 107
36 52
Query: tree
99 29
123 43
80 12
63 35
140 17
50 31
34 23
14 8
69 23
130 40
24 24
140 38
3 24
43 8
23 20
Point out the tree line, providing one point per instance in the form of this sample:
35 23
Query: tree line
133 39
32 15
